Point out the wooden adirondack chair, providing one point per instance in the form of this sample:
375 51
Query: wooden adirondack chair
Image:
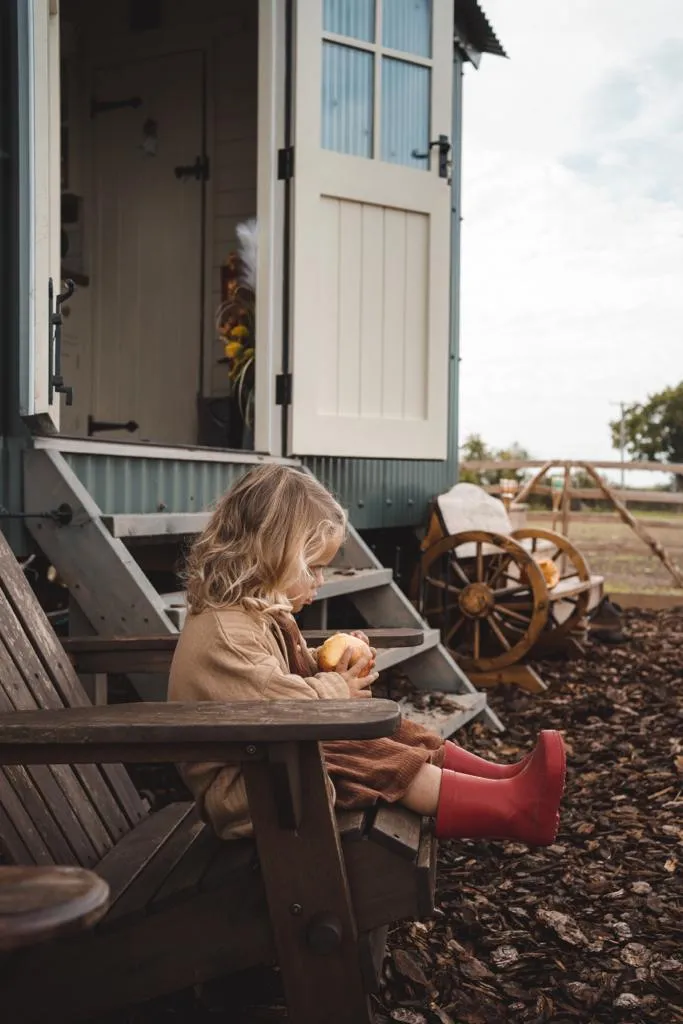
314 893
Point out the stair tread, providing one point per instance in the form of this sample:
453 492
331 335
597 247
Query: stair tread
391 656
155 524
337 582
455 712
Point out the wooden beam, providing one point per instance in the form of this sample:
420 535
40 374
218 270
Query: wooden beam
140 655
481 465
529 486
309 899
636 525
593 494
103 577
148 732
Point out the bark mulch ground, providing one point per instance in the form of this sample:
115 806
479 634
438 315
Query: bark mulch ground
589 930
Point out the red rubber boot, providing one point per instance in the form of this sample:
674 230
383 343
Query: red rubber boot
458 760
523 808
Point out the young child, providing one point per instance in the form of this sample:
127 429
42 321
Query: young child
259 560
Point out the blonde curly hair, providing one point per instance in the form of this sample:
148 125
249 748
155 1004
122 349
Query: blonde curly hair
264 534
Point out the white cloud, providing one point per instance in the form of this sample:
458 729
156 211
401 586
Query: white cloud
572 271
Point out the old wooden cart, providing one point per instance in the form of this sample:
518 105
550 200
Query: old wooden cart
501 595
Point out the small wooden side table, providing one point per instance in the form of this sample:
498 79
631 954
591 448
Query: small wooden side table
39 903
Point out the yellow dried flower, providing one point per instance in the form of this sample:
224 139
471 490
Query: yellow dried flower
233 349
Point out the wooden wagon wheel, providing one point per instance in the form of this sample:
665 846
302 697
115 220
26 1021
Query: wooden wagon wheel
571 565
489 619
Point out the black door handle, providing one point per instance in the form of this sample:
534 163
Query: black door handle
444 146
97 426
199 170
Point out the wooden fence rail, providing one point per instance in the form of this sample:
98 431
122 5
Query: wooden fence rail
602 490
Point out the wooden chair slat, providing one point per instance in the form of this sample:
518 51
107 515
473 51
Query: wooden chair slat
126 862
12 847
51 781
351 825
398 829
32 688
33 787
173 847
117 798
17 662
22 823
426 874
187 875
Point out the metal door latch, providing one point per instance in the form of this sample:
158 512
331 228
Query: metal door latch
199 170
444 146
99 426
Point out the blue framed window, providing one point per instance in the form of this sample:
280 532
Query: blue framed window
376 79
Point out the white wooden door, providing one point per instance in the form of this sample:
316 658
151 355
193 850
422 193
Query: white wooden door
147 237
371 228
40 191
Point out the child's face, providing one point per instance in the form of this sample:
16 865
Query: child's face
305 590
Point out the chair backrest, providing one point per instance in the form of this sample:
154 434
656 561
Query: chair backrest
51 814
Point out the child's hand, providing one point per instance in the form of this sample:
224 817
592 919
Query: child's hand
358 684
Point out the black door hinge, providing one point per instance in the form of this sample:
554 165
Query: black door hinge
55 381
285 163
283 389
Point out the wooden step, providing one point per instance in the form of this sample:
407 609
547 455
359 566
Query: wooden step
338 582
396 655
132 525
156 524
458 709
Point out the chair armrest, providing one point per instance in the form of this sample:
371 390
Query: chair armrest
127 654
145 732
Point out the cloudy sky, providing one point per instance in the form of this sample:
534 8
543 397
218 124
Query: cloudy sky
572 274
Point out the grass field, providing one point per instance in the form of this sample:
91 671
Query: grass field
613 550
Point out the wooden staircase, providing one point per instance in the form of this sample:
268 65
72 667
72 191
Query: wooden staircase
94 553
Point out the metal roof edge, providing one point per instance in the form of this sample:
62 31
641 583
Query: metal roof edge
474 33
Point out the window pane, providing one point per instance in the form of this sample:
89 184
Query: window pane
405 112
354 18
347 100
407 26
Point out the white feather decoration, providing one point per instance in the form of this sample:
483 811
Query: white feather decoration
247 233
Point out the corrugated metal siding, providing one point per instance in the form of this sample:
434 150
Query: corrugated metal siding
119 484
384 492
376 492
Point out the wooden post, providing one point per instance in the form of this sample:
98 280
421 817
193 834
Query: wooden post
566 512
637 527
529 486
310 905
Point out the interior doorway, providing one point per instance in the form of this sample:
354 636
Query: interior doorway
148 177
158 172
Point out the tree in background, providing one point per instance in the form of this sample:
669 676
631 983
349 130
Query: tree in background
654 430
475 449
